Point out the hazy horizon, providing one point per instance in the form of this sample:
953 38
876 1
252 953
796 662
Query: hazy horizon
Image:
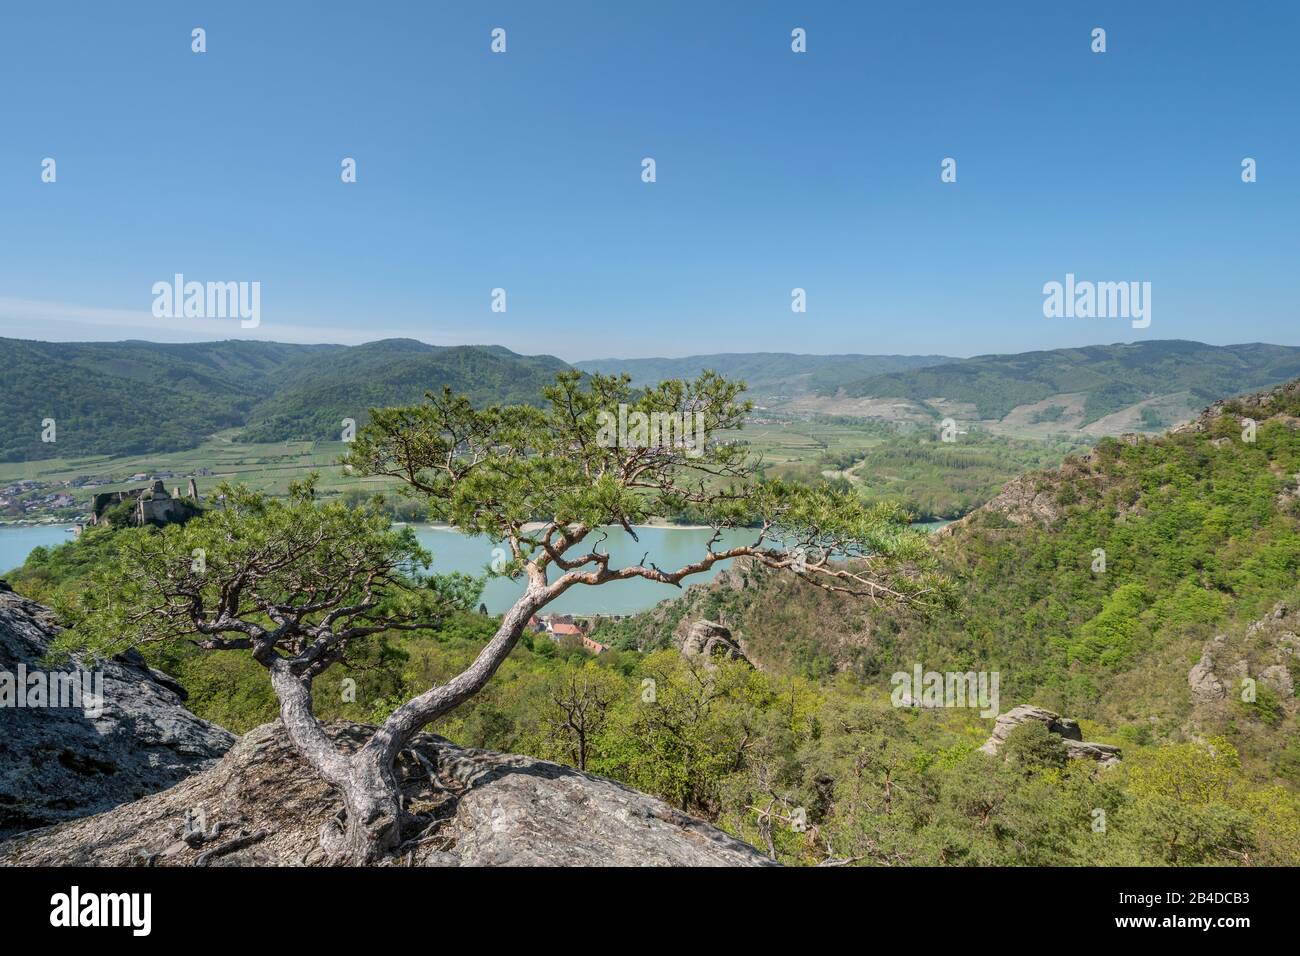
623 358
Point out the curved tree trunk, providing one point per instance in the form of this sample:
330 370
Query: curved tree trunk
418 712
371 827
305 731
372 802
372 824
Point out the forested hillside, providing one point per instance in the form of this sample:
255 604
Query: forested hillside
1091 588
1111 377
131 397
804 755
120 398
136 397
316 396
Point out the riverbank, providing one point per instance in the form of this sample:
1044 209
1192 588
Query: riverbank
48 523
667 545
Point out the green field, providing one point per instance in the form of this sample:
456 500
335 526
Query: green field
806 442
268 467
932 480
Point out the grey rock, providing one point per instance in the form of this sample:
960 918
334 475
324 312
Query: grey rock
1067 728
1279 678
1013 718
1262 649
1027 499
1105 754
1205 684
709 639
487 809
1064 727
532 813
59 763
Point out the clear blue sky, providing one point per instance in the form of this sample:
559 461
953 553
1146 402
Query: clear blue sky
775 170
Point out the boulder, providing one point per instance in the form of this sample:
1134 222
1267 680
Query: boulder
1278 677
1105 754
1205 684
1068 730
261 805
59 762
709 639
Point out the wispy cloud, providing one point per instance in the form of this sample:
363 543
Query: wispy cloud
69 322
61 321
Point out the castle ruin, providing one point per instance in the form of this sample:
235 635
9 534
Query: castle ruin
153 505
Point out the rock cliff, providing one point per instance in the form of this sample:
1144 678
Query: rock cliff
1265 653
262 806
129 736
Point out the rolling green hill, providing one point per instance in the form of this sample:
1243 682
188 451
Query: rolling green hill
124 398
314 398
131 397
1111 377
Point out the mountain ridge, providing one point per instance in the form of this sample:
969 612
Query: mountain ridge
768 374
1110 377
138 397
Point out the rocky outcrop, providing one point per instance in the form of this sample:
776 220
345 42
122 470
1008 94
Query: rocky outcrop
128 736
1257 405
708 639
1266 653
1107 755
1204 681
262 805
1068 730
1025 500
1034 498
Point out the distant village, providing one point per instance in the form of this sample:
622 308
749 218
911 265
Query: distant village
30 501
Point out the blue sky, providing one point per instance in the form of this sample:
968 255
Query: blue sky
775 170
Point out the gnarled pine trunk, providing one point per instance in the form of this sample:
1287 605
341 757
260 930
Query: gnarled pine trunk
371 826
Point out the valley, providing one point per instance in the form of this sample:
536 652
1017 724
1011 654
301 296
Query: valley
1196 590
266 414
